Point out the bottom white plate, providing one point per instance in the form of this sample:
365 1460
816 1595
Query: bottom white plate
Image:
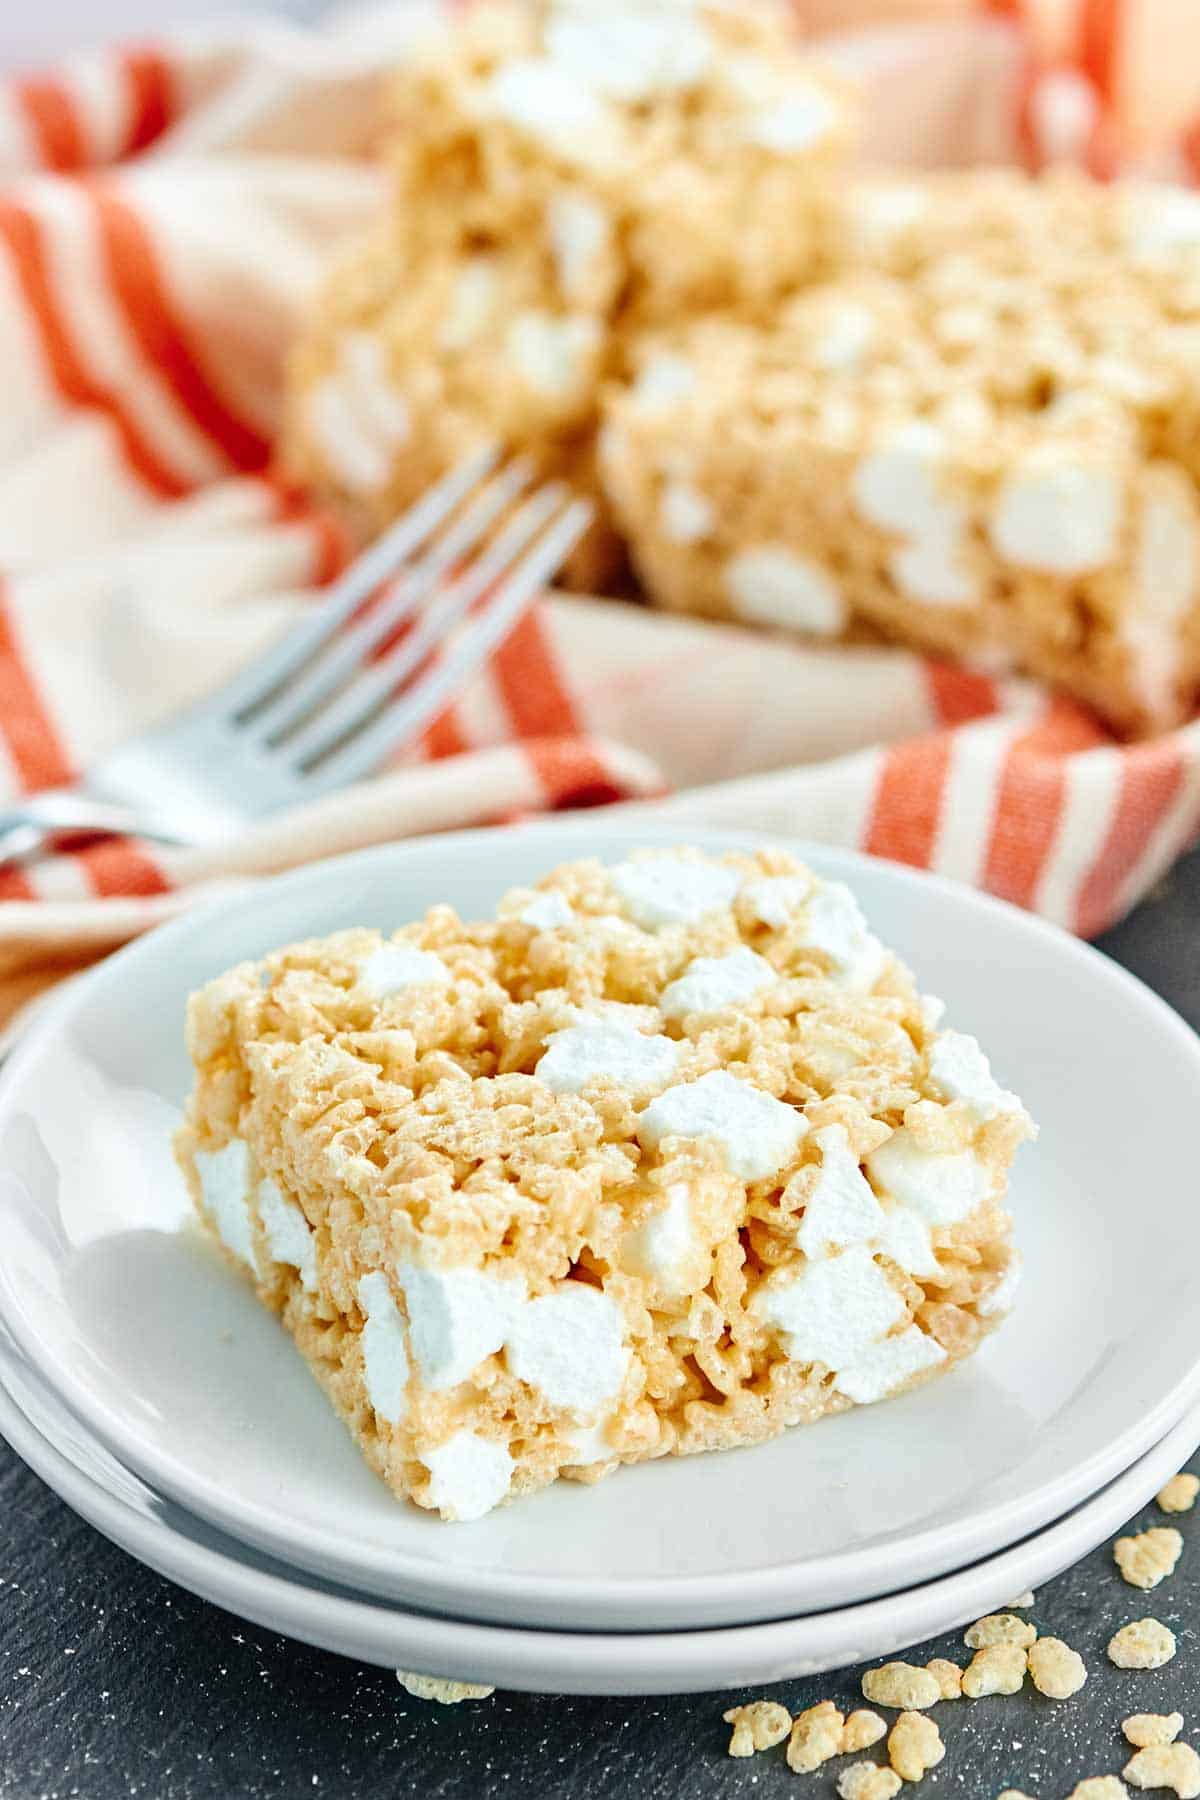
177 1544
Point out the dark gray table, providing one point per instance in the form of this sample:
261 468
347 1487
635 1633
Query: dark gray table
115 1684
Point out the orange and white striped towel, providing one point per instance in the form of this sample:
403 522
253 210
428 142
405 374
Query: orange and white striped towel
164 213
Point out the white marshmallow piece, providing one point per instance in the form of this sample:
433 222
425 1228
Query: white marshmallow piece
606 1047
685 514
394 967
898 486
834 924
456 1317
385 1356
570 1345
545 102
776 899
906 1238
579 230
287 1231
672 890
1167 574
711 983
469 1475
1002 1296
794 123
959 1070
888 1365
630 53
225 1184
831 1312
662 379
665 1249
546 912
472 302
771 585
930 568
549 352
757 1133
842 1209
589 1445
1056 514
357 417
942 1186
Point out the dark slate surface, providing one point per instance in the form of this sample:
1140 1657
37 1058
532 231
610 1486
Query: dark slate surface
115 1683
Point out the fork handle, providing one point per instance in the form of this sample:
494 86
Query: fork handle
25 829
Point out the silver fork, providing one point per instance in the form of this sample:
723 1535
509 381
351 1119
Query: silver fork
327 703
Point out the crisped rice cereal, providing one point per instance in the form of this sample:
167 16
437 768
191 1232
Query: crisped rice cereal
1174 1766
948 1676
914 1745
666 1157
1144 1729
1055 1669
1143 1644
999 1628
902 1685
1179 1495
868 1781
996 1669
757 1726
1149 1557
817 1735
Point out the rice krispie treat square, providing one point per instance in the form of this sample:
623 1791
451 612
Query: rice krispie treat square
667 1157
960 444
562 175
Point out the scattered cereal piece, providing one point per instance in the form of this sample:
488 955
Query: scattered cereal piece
1179 1495
816 1736
1145 1644
861 1730
867 1781
948 1676
1143 1729
439 1688
1013 1794
914 1745
1148 1558
1056 1669
901 1685
996 1669
1021 1604
999 1628
1100 1787
1166 1766
757 1726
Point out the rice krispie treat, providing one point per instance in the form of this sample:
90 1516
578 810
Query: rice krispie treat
988 452
667 1157
562 176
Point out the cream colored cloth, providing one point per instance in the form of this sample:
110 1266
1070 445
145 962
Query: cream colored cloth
165 212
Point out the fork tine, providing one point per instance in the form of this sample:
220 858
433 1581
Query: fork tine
411 712
261 677
353 709
350 649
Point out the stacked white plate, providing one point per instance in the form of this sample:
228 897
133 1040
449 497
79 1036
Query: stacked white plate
143 1382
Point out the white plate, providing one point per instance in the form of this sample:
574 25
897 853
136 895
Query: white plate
178 1545
171 1362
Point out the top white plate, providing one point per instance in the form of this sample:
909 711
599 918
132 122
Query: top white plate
169 1359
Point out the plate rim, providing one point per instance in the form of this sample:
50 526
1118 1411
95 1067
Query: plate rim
601 1663
672 1597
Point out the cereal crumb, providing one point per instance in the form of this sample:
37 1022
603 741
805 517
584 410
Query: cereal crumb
1143 1729
1013 1794
867 1781
1144 1644
816 1736
1179 1495
999 1628
439 1688
861 1730
1057 1670
996 1669
1100 1787
901 1685
1021 1604
1166 1765
948 1676
757 1726
914 1745
1148 1558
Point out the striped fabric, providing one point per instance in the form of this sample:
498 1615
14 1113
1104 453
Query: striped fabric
164 212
